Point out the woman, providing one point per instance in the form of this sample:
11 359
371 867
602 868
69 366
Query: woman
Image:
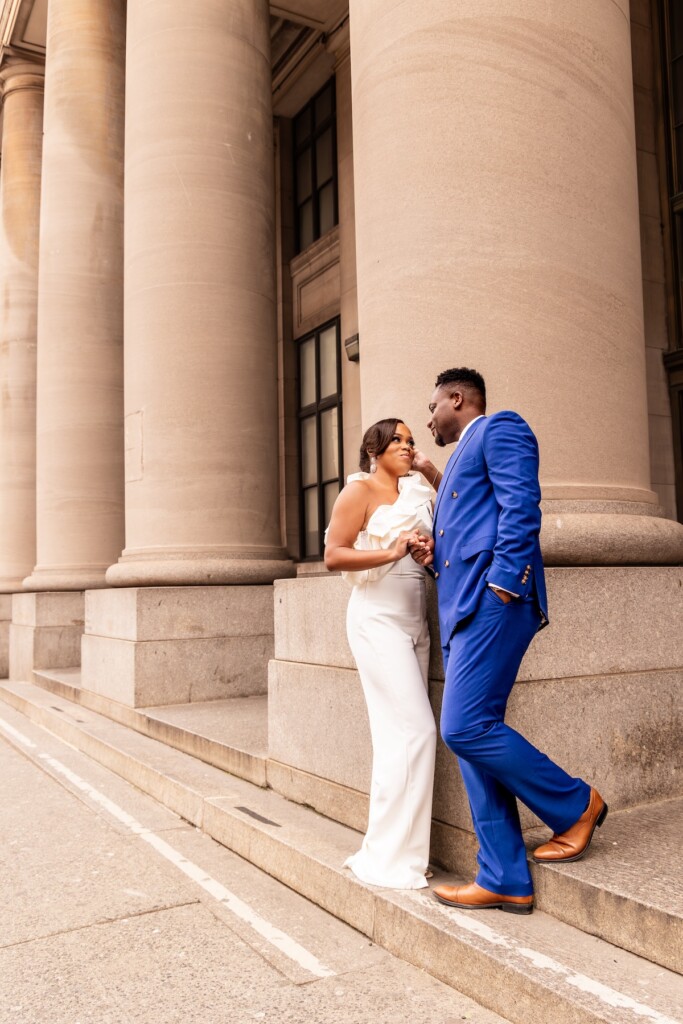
381 512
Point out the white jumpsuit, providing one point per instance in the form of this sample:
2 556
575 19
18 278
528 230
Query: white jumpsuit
389 638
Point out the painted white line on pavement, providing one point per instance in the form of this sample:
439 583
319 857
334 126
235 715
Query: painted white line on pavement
604 993
283 942
15 734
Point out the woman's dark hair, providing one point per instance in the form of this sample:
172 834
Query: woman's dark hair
376 440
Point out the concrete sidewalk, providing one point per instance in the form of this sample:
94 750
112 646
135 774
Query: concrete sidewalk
528 969
107 924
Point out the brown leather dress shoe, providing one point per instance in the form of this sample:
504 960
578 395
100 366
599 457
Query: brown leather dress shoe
473 897
573 844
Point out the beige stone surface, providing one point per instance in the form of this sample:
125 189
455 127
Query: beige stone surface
667 496
502 959
22 126
317 722
602 621
663 469
285 250
165 613
599 690
587 538
334 800
4 648
615 731
629 890
315 284
651 249
310 621
108 669
48 609
45 632
347 256
42 647
230 734
202 501
79 485
496 276
643 54
609 620
5 619
240 722
657 385
175 671
174 645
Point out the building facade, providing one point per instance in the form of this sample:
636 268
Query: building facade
232 235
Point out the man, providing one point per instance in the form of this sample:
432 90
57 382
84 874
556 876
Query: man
487 563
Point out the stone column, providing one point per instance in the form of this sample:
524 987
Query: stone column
202 502
79 489
22 126
497 227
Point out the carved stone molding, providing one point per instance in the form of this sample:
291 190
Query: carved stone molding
316 286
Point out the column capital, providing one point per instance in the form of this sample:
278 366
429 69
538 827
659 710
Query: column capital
18 75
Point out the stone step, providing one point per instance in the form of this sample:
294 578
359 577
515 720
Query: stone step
629 891
528 969
230 734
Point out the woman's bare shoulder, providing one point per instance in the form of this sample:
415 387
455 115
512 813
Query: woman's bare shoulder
356 492
358 487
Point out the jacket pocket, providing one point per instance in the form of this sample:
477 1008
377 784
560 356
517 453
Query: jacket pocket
484 542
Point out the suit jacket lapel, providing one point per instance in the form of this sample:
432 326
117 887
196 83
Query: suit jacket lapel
450 465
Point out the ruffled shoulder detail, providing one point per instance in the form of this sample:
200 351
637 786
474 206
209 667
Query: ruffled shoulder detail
412 508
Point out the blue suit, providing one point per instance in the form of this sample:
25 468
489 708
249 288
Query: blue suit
486 527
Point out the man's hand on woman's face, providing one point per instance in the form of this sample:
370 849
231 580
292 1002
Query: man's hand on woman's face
421 462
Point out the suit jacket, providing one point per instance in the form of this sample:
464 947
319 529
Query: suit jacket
487 520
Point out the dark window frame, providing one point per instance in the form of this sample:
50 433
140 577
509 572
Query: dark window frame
316 409
309 143
674 173
671 82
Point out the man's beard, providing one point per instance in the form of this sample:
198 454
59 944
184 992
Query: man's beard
439 441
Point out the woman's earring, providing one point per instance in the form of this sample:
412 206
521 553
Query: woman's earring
373 464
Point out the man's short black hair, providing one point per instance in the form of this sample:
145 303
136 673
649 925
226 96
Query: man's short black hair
464 377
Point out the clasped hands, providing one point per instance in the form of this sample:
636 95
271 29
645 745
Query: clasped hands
415 543
422 549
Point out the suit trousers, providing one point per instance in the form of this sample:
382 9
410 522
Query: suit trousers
481 661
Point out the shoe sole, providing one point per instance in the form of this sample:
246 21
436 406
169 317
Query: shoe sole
577 856
507 908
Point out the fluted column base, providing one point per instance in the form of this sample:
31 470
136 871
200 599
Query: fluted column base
182 568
